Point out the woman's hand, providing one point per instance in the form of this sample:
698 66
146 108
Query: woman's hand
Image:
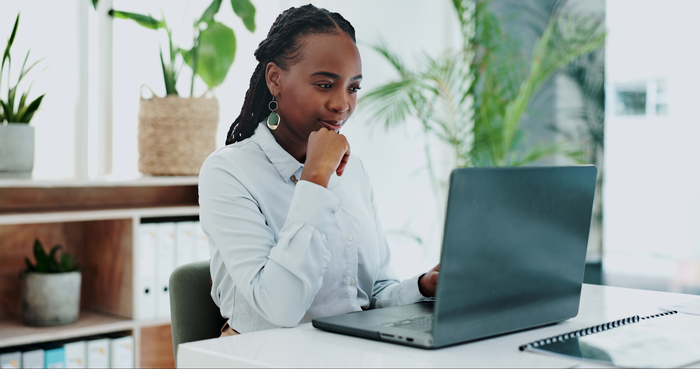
427 283
327 152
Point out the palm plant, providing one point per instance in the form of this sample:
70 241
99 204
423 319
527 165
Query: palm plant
213 49
11 109
473 99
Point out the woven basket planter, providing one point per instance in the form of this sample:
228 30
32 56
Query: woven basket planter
176 134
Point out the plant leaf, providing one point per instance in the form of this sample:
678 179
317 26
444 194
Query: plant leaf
6 55
208 16
30 267
41 257
143 20
215 53
7 112
246 11
168 76
94 4
28 112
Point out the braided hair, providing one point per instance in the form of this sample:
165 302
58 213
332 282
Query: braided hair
282 47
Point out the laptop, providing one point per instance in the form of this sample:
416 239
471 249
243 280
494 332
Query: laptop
513 256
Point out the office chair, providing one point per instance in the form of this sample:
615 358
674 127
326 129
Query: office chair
193 314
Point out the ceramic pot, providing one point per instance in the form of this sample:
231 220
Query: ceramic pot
51 299
16 150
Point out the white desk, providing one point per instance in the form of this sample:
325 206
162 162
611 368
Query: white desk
306 346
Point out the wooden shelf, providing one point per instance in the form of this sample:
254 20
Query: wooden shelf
14 333
106 181
96 221
88 215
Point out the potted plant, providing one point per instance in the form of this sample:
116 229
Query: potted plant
16 136
51 288
176 134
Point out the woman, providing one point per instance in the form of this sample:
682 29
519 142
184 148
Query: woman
289 241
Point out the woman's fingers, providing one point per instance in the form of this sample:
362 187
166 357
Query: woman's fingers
343 162
326 152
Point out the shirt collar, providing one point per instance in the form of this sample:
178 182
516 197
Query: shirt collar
285 163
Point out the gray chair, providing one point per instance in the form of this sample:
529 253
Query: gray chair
193 314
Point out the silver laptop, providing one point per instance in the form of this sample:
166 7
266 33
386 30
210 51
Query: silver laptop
513 256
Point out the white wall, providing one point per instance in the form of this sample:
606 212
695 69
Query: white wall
652 183
50 30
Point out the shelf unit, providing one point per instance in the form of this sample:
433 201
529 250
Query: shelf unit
96 221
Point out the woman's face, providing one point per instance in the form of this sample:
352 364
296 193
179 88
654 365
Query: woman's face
320 88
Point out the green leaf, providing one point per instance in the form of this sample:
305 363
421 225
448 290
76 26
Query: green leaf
27 113
215 53
168 76
68 263
7 112
41 257
94 4
143 20
54 262
208 16
246 11
30 267
6 55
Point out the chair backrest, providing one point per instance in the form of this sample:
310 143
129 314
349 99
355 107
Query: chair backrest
194 315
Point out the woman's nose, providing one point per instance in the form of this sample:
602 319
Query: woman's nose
338 103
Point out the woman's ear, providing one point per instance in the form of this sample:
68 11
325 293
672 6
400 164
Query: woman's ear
272 76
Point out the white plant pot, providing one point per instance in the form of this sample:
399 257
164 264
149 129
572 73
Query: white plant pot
16 150
51 299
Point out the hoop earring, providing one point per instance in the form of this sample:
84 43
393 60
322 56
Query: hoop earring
273 120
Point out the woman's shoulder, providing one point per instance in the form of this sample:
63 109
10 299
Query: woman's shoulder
233 159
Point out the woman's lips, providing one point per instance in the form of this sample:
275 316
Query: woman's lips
332 124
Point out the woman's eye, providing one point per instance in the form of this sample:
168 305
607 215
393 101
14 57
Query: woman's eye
354 89
325 86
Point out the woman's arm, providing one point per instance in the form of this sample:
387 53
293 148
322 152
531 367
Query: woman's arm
279 278
388 290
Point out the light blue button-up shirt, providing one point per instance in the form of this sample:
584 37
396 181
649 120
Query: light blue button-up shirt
285 253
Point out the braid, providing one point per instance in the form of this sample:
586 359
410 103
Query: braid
281 47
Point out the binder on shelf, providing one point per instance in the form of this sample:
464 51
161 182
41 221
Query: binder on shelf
55 358
33 359
122 350
201 245
98 353
184 243
11 360
166 265
663 340
146 277
76 354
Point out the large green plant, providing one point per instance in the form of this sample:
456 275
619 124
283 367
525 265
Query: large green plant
213 49
473 99
11 109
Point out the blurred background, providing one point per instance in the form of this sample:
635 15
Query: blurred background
624 102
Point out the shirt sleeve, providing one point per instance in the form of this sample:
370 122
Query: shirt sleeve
388 290
279 278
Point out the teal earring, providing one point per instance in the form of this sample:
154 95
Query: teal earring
273 120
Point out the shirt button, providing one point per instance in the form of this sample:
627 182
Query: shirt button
350 237
330 215
352 281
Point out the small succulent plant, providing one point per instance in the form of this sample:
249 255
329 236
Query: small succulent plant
51 262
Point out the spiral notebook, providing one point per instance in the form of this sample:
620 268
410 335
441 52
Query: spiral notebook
662 340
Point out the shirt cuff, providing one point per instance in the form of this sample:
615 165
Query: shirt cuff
412 293
313 205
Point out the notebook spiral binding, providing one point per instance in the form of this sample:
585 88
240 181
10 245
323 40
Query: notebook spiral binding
593 329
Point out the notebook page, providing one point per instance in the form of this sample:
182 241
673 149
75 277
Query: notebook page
663 342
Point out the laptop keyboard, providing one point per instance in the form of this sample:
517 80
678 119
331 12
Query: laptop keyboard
417 323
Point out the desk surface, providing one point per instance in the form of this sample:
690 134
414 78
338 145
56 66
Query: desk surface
305 346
